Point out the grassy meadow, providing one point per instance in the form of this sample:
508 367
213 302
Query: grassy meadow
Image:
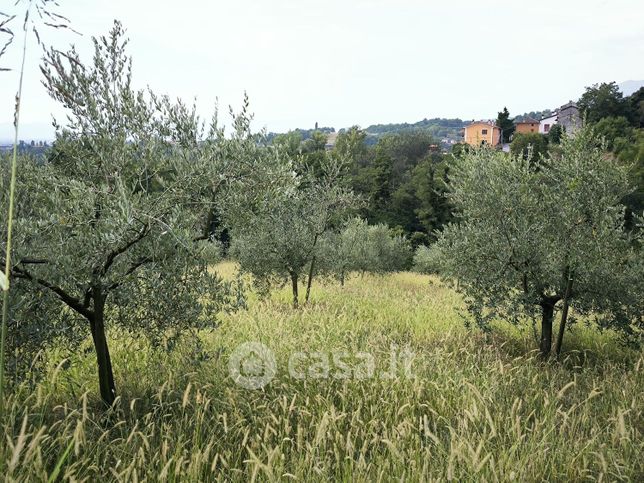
475 406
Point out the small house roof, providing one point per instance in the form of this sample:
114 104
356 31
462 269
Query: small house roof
554 114
569 105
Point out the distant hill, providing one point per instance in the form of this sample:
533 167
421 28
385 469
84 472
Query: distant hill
440 128
630 86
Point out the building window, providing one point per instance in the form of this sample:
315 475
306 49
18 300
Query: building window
484 132
546 127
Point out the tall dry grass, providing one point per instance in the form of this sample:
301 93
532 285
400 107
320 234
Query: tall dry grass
477 408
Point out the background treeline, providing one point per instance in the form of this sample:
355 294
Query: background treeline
401 180
620 121
439 128
304 133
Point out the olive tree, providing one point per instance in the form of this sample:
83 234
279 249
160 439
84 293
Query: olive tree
427 259
540 237
276 230
388 250
360 247
108 229
343 251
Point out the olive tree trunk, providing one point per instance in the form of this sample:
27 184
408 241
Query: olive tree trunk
311 269
310 280
294 286
564 315
105 373
547 314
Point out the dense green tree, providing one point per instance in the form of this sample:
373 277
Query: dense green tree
460 149
315 143
290 143
313 154
387 250
405 150
343 251
403 178
307 154
360 247
532 239
636 108
430 181
506 124
402 209
555 134
350 145
627 145
612 129
418 238
630 152
427 259
602 100
381 187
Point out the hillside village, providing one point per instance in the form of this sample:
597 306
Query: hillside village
450 133
487 132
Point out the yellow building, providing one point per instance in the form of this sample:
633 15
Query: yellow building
527 126
479 133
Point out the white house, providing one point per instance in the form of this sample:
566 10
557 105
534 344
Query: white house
547 122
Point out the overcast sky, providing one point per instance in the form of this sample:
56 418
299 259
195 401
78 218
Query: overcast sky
345 62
